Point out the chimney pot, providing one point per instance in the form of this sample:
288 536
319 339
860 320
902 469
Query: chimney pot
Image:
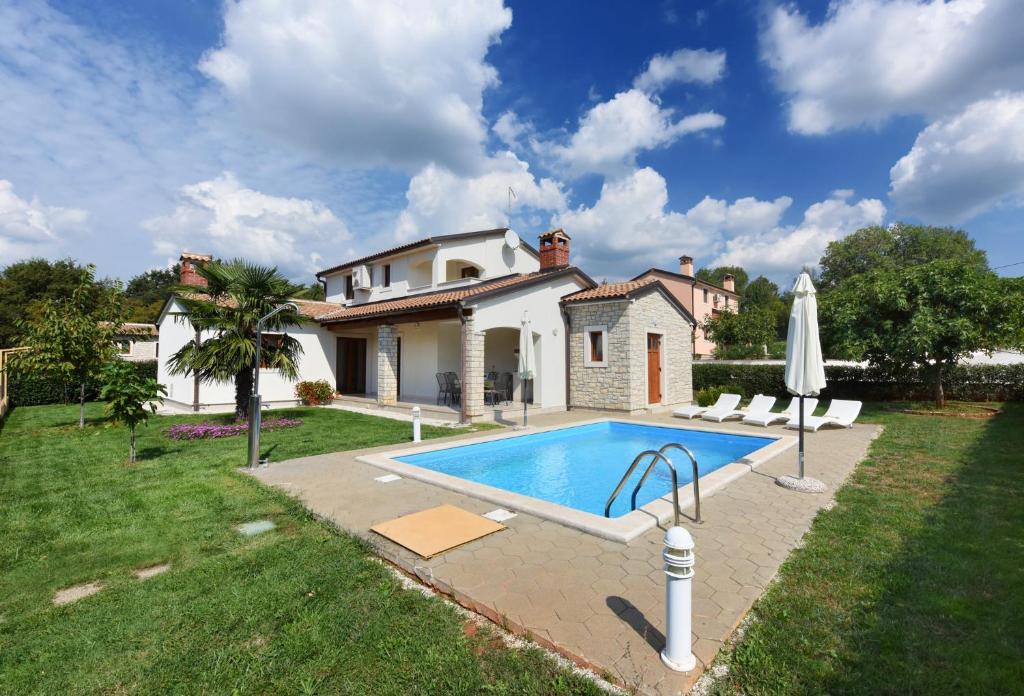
554 250
189 263
729 282
686 265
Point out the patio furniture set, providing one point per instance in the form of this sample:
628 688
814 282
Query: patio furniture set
497 388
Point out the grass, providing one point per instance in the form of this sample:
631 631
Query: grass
301 609
913 583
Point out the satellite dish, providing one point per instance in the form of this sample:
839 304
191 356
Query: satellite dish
511 240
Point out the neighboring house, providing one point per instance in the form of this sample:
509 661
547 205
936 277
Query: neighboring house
700 298
137 342
395 319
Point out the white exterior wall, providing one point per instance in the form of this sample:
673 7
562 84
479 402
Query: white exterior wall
541 301
316 362
409 276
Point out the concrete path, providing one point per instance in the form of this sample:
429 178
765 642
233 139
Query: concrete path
598 602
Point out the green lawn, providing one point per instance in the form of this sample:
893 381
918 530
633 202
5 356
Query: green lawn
301 609
914 582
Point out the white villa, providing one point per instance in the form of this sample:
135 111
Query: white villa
394 323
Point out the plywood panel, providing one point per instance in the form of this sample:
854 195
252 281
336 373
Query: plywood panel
430 532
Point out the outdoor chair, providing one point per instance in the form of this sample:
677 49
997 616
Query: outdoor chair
444 394
454 387
726 402
791 412
840 412
505 386
759 406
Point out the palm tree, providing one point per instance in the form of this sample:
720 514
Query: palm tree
237 295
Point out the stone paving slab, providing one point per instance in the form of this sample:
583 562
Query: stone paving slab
596 601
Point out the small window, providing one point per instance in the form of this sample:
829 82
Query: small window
705 294
124 347
470 272
387 275
350 291
595 346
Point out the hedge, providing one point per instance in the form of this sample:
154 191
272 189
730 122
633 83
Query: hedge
33 391
962 383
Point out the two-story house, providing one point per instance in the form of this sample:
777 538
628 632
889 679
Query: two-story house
398 325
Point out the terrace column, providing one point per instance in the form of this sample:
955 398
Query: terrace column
387 365
472 370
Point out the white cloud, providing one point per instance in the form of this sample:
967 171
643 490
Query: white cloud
965 164
510 129
222 217
684 65
398 84
29 228
783 250
873 59
440 201
612 133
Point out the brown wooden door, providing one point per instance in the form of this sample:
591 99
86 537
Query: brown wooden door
653 369
351 365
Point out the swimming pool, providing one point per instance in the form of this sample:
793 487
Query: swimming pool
578 467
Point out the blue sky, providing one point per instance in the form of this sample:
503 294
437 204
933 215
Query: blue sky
737 132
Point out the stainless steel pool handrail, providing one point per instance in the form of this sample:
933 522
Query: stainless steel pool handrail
696 478
632 467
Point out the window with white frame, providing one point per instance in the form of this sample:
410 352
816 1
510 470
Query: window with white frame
595 346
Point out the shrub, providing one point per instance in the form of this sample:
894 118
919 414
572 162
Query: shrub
709 395
314 393
213 431
964 382
28 390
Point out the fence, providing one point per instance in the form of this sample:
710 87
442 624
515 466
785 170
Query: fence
5 397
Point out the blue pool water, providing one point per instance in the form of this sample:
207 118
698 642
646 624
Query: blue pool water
578 467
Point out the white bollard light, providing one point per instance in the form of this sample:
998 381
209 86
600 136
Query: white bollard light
416 424
679 561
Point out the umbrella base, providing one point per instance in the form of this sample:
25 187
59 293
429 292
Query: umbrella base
801 485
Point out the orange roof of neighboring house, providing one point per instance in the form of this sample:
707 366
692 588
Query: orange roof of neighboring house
444 297
311 309
609 290
692 279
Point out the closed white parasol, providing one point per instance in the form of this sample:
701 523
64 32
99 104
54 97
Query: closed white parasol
805 368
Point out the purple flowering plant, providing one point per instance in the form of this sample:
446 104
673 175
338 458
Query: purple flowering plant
211 431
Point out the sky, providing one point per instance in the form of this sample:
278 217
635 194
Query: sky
302 134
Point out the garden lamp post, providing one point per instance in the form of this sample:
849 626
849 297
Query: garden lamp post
254 398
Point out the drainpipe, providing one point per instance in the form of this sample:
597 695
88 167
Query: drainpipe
568 326
323 284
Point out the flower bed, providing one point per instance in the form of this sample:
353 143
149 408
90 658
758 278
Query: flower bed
210 431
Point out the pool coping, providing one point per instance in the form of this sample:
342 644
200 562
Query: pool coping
621 529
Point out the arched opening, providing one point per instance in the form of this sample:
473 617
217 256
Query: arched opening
457 269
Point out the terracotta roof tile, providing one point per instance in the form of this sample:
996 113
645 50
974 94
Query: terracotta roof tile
311 309
610 290
427 300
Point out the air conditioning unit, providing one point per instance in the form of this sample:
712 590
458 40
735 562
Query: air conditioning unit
361 278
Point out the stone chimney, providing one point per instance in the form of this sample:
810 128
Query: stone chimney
686 265
189 263
554 250
729 282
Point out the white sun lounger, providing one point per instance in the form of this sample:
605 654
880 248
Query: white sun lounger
759 406
726 402
841 413
792 411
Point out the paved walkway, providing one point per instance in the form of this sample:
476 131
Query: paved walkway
599 602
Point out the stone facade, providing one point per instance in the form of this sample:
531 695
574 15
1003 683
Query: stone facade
472 370
387 365
621 385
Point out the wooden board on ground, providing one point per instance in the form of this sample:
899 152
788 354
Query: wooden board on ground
430 532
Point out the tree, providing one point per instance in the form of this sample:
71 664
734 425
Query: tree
237 295
716 276
926 316
893 247
130 396
740 335
146 293
71 338
25 284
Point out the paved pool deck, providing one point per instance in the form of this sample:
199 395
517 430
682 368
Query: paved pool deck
599 602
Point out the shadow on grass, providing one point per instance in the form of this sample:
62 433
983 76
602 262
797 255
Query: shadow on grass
950 615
